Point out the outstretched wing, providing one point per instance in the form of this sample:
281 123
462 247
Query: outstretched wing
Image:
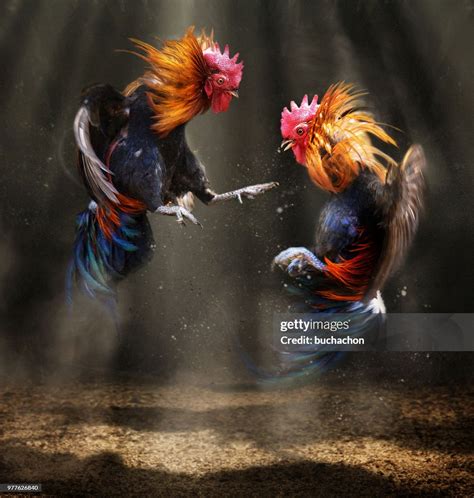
103 113
403 196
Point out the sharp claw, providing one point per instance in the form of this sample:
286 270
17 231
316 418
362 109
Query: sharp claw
269 186
190 217
196 222
293 267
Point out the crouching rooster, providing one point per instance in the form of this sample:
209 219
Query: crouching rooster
369 221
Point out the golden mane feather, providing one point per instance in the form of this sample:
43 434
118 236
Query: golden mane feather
339 145
176 77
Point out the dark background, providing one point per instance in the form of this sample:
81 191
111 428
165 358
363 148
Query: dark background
178 313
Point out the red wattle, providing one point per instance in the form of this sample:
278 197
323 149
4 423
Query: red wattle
299 150
220 101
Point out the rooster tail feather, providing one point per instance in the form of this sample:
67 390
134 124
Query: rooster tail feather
367 320
105 242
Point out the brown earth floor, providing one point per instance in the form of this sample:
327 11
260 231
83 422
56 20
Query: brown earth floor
141 440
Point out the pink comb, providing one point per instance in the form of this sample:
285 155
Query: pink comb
221 61
297 115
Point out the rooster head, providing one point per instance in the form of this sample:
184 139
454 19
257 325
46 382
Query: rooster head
224 75
295 124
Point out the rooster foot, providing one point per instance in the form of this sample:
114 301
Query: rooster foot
297 261
180 212
244 193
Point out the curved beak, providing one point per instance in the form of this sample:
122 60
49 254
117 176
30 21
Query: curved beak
286 144
234 93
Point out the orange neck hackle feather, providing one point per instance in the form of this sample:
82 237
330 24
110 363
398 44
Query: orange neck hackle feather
339 144
176 77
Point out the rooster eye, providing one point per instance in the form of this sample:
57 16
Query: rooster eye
220 81
300 131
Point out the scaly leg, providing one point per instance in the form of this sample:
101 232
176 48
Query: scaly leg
297 260
180 212
246 192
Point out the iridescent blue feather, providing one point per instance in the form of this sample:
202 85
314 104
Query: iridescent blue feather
98 262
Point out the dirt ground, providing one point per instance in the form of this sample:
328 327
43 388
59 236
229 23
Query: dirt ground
125 439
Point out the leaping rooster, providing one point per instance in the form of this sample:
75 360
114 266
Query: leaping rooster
134 159
369 221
